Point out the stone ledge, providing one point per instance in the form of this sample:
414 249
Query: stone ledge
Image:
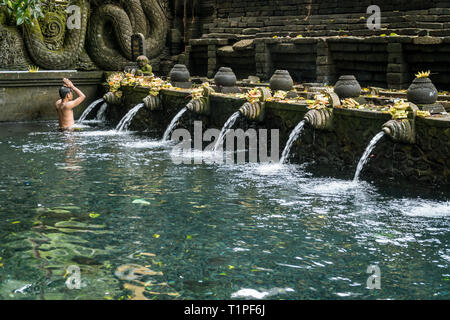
52 78
300 107
367 114
209 41
441 122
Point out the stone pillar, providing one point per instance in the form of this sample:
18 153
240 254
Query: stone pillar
176 42
212 60
263 59
185 57
324 63
397 76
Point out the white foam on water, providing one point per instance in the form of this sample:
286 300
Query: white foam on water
87 121
103 133
81 126
252 293
70 168
333 187
143 144
195 156
427 209
270 168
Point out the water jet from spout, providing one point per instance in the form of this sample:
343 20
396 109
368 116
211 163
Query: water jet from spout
126 120
292 138
230 122
365 156
89 109
172 124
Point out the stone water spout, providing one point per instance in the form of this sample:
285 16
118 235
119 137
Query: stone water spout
112 99
400 130
199 106
320 119
153 103
202 104
403 130
254 111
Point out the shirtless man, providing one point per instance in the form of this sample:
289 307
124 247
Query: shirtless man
65 105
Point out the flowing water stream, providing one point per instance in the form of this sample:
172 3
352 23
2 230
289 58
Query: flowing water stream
292 138
366 155
101 114
230 122
126 120
173 124
89 109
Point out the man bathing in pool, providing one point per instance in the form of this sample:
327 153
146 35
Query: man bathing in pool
66 104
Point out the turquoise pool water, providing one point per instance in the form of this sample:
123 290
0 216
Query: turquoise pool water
138 226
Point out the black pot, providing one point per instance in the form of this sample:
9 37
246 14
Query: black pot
179 73
281 80
225 77
347 87
422 91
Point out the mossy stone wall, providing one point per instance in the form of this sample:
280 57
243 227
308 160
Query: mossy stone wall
334 153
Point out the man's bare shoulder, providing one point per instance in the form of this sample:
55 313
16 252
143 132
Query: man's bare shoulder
58 103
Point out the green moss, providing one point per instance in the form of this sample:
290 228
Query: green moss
447 132
3 16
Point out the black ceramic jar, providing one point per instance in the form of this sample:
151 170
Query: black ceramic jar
281 80
179 73
347 87
225 77
422 91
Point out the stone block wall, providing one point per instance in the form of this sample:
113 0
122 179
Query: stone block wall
298 57
264 18
429 56
237 8
413 37
367 60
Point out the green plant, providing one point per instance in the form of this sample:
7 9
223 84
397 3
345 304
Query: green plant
24 11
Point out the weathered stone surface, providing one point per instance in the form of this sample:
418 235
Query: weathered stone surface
427 40
28 96
244 45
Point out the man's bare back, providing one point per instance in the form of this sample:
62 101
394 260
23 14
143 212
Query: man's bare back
66 104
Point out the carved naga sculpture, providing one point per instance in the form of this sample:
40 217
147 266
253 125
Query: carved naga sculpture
108 52
54 27
136 16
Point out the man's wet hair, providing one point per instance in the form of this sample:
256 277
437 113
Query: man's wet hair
64 91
